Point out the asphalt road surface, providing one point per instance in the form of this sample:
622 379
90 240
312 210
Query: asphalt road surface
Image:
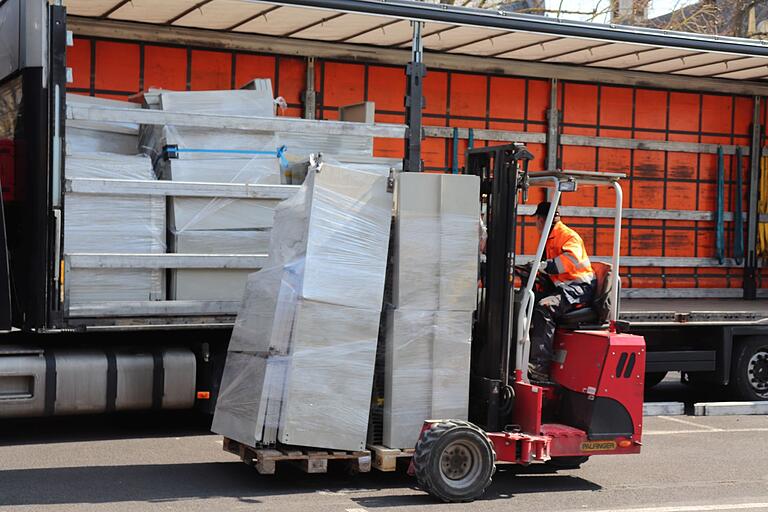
171 463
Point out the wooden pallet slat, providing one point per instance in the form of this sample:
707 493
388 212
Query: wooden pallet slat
310 460
385 459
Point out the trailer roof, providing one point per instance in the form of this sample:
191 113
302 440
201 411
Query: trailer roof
454 30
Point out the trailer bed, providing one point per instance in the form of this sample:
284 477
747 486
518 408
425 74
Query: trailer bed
694 311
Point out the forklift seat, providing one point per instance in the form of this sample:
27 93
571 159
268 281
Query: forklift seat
595 314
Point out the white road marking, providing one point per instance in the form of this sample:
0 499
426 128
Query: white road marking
691 508
356 510
691 423
699 431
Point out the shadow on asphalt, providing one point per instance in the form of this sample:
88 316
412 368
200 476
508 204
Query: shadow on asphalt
103 427
174 482
506 485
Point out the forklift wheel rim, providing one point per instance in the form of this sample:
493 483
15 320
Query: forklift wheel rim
757 372
460 463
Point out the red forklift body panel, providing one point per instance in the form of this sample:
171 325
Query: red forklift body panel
601 374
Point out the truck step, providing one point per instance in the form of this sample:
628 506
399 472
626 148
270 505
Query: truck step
385 459
310 460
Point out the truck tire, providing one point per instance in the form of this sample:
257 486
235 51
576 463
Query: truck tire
566 462
749 370
454 461
654 378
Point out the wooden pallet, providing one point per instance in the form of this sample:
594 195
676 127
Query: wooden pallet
309 460
385 459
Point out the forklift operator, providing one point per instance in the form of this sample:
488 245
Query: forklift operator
567 264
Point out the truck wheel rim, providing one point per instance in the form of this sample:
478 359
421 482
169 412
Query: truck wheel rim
757 372
460 463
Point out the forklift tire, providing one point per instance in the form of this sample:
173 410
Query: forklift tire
566 462
749 373
454 461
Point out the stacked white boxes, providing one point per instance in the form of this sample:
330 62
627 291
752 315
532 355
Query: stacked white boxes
101 137
434 283
215 225
127 224
302 354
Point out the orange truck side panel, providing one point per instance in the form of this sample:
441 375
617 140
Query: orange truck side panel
656 180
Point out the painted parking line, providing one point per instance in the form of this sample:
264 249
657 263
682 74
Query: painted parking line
689 423
700 431
692 508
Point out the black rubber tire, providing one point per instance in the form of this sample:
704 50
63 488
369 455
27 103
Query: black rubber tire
654 378
748 380
429 454
567 462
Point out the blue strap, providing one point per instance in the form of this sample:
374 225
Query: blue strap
281 156
720 225
738 219
280 153
455 164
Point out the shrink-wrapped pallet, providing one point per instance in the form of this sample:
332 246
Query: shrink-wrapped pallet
436 242
132 224
202 225
309 322
434 289
427 371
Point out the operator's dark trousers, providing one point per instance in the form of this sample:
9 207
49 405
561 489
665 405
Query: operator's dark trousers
546 313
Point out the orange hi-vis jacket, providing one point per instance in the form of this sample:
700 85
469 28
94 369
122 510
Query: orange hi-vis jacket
567 261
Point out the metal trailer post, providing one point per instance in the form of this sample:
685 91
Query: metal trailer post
553 128
750 261
310 94
414 103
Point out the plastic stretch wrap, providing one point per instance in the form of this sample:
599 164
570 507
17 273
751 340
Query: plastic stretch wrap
94 136
219 225
313 142
426 371
235 145
113 224
295 170
436 242
212 241
311 318
434 286
215 225
253 102
257 102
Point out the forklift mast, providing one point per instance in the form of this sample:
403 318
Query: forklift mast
502 171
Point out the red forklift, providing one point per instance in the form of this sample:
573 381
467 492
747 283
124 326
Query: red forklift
594 402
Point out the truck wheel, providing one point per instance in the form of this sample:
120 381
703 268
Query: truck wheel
454 461
654 378
566 462
749 373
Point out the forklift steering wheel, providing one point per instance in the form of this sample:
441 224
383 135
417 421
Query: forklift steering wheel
543 281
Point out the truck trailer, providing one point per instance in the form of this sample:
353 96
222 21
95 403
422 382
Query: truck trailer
682 115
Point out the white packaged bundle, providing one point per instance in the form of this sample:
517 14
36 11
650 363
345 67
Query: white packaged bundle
103 137
133 224
426 371
314 313
200 225
436 242
434 279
